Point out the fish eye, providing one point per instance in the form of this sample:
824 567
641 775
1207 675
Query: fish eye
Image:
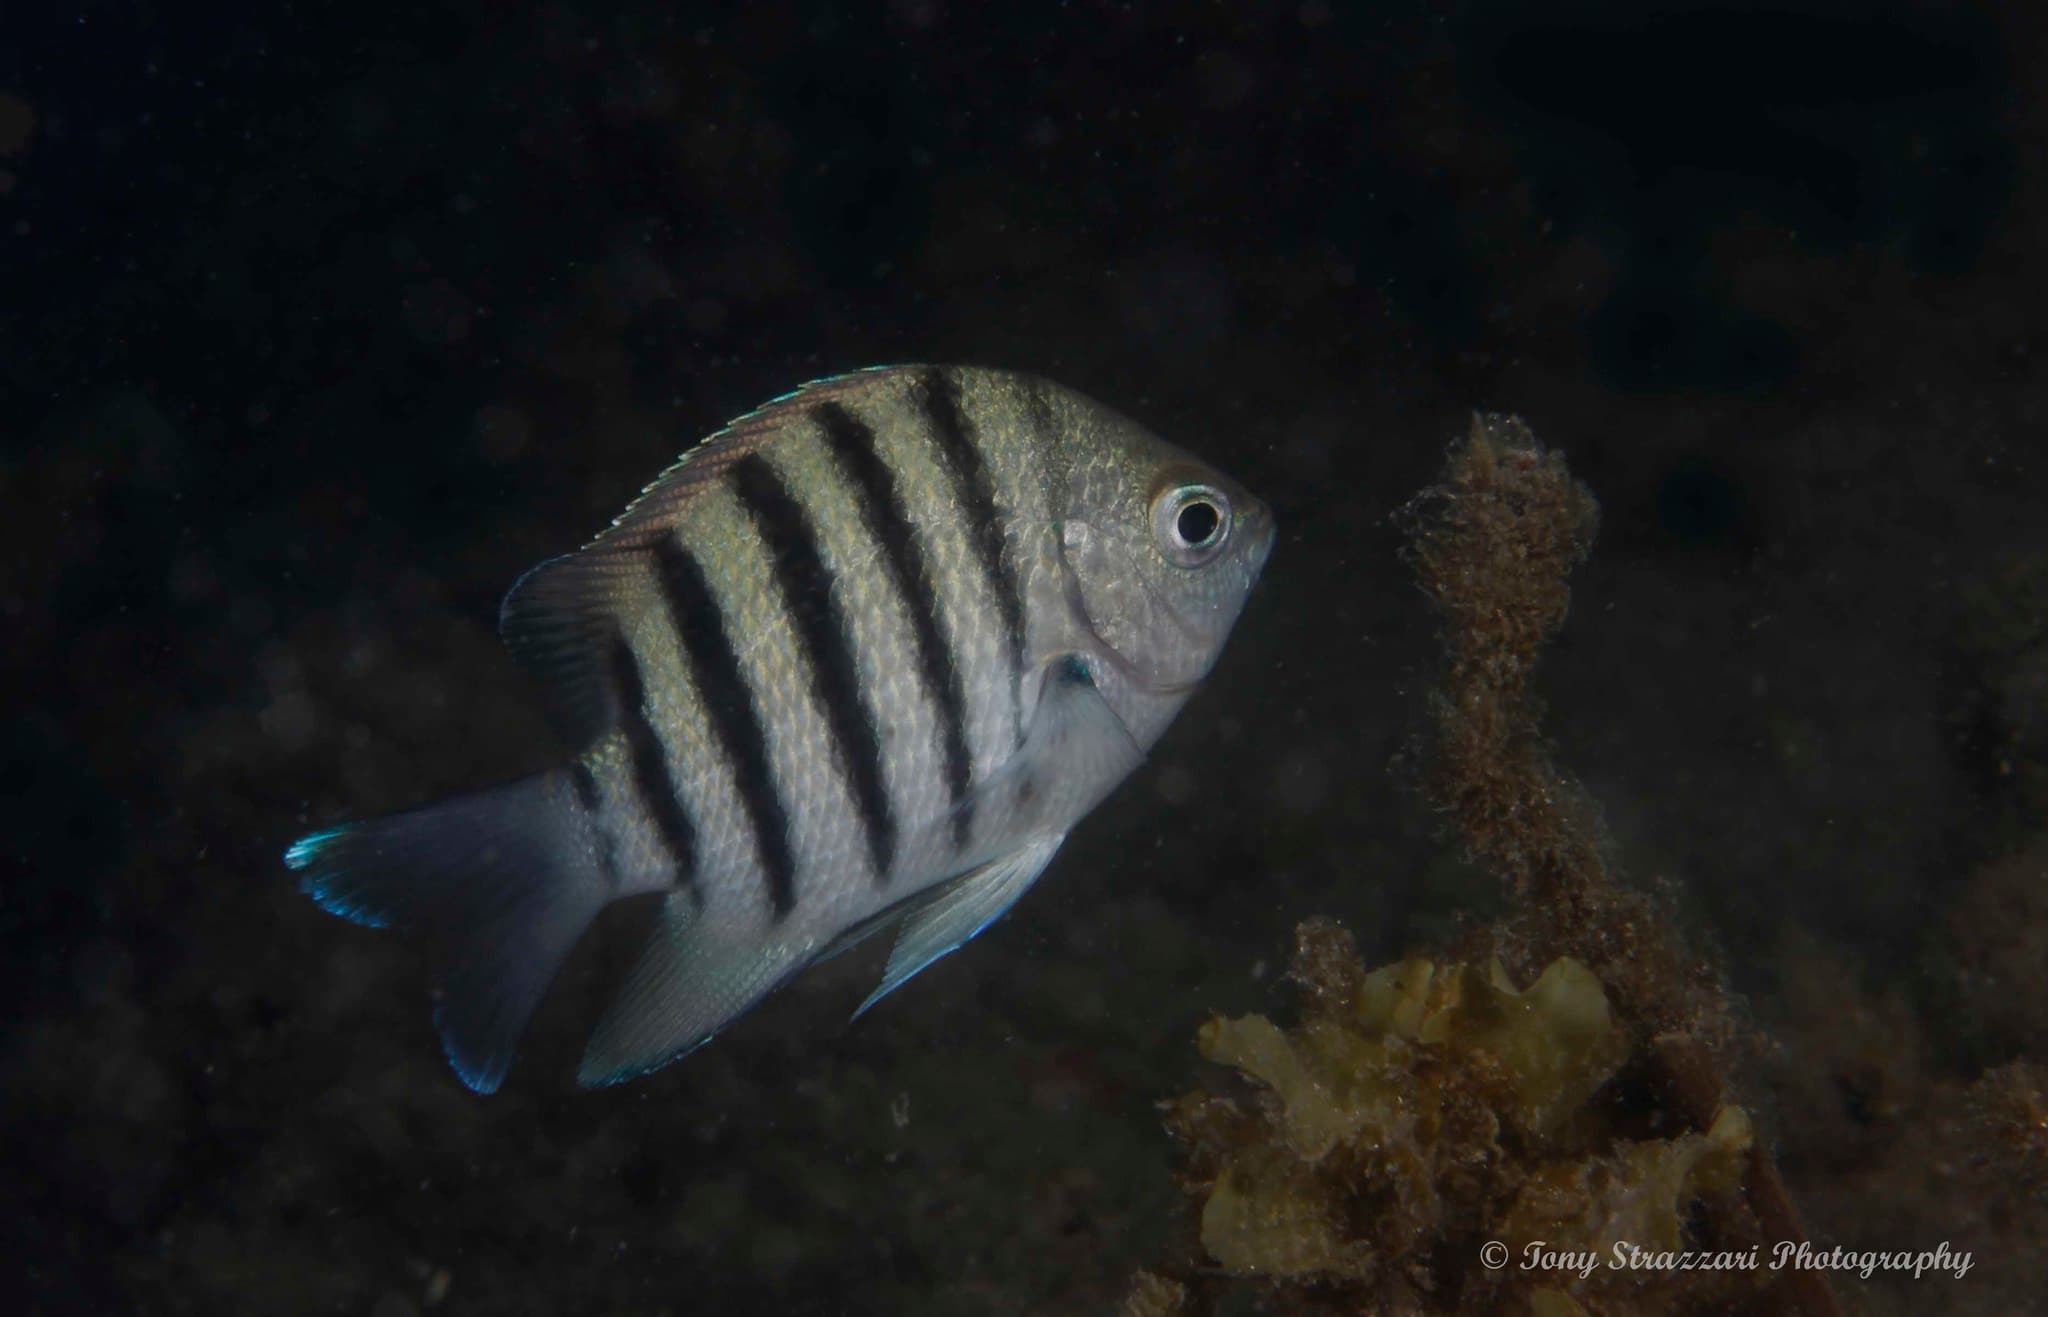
1191 522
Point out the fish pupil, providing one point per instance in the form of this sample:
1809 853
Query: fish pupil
1197 523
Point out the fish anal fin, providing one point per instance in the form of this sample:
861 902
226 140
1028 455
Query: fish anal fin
963 908
686 987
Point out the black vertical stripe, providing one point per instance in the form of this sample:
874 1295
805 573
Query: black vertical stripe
651 778
806 584
975 488
882 511
584 783
1038 403
735 717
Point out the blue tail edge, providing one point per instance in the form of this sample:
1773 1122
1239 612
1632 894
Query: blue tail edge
324 880
501 884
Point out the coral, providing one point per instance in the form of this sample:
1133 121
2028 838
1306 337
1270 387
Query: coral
1997 939
2011 1104
1423 1111
1999 670
1415 1113
1896 1148
1852 1072
1154 1296
1491 547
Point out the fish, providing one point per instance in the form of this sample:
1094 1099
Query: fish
858 662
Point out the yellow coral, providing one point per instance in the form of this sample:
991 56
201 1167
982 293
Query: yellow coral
1260 1219
1424 1106
1328 1089
1556 1041
1154 1296
1635 1195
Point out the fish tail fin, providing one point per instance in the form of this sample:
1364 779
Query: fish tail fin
503 882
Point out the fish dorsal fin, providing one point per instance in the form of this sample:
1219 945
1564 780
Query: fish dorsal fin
1074 754
561 621
656 507
563 618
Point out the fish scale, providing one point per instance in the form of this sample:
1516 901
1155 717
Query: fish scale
911 715
717 707
882 519
968 610
859 661
798 788
812 594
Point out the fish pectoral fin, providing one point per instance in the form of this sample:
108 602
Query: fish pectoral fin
964 907
1074 727
1074 753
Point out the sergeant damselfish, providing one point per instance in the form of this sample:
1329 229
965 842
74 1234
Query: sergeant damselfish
858 661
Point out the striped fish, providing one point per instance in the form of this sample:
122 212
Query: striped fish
858 661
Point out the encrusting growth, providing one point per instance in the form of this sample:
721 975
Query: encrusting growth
1422 1111
1557 1083
2011 1103
1492 547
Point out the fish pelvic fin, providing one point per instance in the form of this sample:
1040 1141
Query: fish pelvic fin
966 906
1074 753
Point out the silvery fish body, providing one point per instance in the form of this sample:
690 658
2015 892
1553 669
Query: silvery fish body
859 660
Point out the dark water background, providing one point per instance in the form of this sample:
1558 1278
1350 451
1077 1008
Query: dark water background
318 324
